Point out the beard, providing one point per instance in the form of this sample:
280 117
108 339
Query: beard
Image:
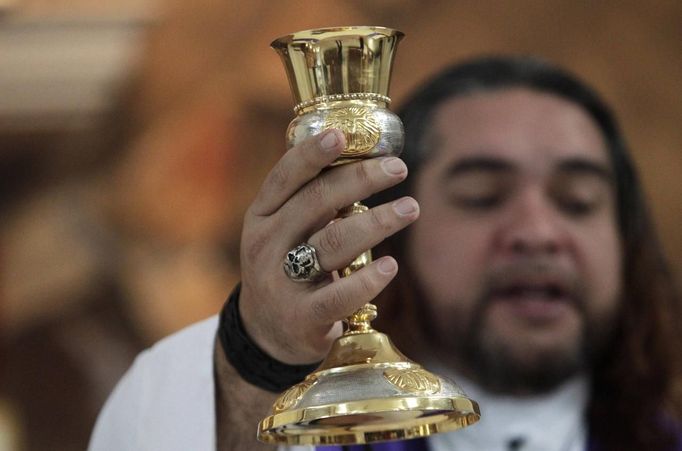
497 365
500 364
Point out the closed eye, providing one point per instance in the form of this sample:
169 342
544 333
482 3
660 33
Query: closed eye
477 202
578 208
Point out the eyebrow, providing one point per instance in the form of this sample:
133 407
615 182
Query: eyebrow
479 163
575 165
588 167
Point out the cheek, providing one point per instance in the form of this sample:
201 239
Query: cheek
601 260
448 258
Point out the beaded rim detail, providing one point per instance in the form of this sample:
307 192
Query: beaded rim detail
339 97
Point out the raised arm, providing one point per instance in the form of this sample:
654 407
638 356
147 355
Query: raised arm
293 322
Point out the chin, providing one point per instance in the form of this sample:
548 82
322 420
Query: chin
529 362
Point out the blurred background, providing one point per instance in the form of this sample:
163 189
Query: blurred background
134 133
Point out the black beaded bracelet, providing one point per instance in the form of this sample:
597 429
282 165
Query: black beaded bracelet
251 362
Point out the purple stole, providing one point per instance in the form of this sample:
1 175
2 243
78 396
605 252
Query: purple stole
418 444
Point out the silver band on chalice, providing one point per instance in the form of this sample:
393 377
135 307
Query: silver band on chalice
301 264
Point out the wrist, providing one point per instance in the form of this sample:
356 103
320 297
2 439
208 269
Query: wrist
254 364
264 337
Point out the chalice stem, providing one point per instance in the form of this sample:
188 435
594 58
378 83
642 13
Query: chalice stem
359 321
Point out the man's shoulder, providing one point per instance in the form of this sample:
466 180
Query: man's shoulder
166 399
181 361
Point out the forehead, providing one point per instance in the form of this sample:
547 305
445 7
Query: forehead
516 124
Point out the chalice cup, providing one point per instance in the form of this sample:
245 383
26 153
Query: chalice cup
365 390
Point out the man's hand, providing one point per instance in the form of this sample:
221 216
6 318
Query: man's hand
297 322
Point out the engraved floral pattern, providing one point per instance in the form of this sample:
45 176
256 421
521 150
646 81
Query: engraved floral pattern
359 126
416 380
293 395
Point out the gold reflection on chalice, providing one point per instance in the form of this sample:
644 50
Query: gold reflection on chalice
365 390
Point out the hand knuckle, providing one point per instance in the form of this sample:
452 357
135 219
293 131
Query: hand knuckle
255 247
310 156
379 221
367 285
324 309
362 174
332 239
320 310
315 190
279 177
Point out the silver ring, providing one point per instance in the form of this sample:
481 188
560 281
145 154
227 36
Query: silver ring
301 264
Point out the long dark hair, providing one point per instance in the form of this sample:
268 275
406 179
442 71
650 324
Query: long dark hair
632 404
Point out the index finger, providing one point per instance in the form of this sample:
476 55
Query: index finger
297 167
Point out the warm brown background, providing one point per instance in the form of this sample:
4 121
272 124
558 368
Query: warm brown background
124 174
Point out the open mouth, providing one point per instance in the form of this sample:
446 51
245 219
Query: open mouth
534 300
547 291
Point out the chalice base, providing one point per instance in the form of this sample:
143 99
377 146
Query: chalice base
366 391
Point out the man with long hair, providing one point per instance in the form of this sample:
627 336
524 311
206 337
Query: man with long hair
534 278
628 349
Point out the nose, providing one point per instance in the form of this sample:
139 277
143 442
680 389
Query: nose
532 226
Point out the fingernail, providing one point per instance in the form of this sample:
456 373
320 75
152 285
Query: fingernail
330 140
393 166
405 206
387 265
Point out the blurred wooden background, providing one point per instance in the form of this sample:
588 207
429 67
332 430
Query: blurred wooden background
133 134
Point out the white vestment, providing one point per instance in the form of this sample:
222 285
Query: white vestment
166 400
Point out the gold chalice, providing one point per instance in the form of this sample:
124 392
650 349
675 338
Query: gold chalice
365 390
